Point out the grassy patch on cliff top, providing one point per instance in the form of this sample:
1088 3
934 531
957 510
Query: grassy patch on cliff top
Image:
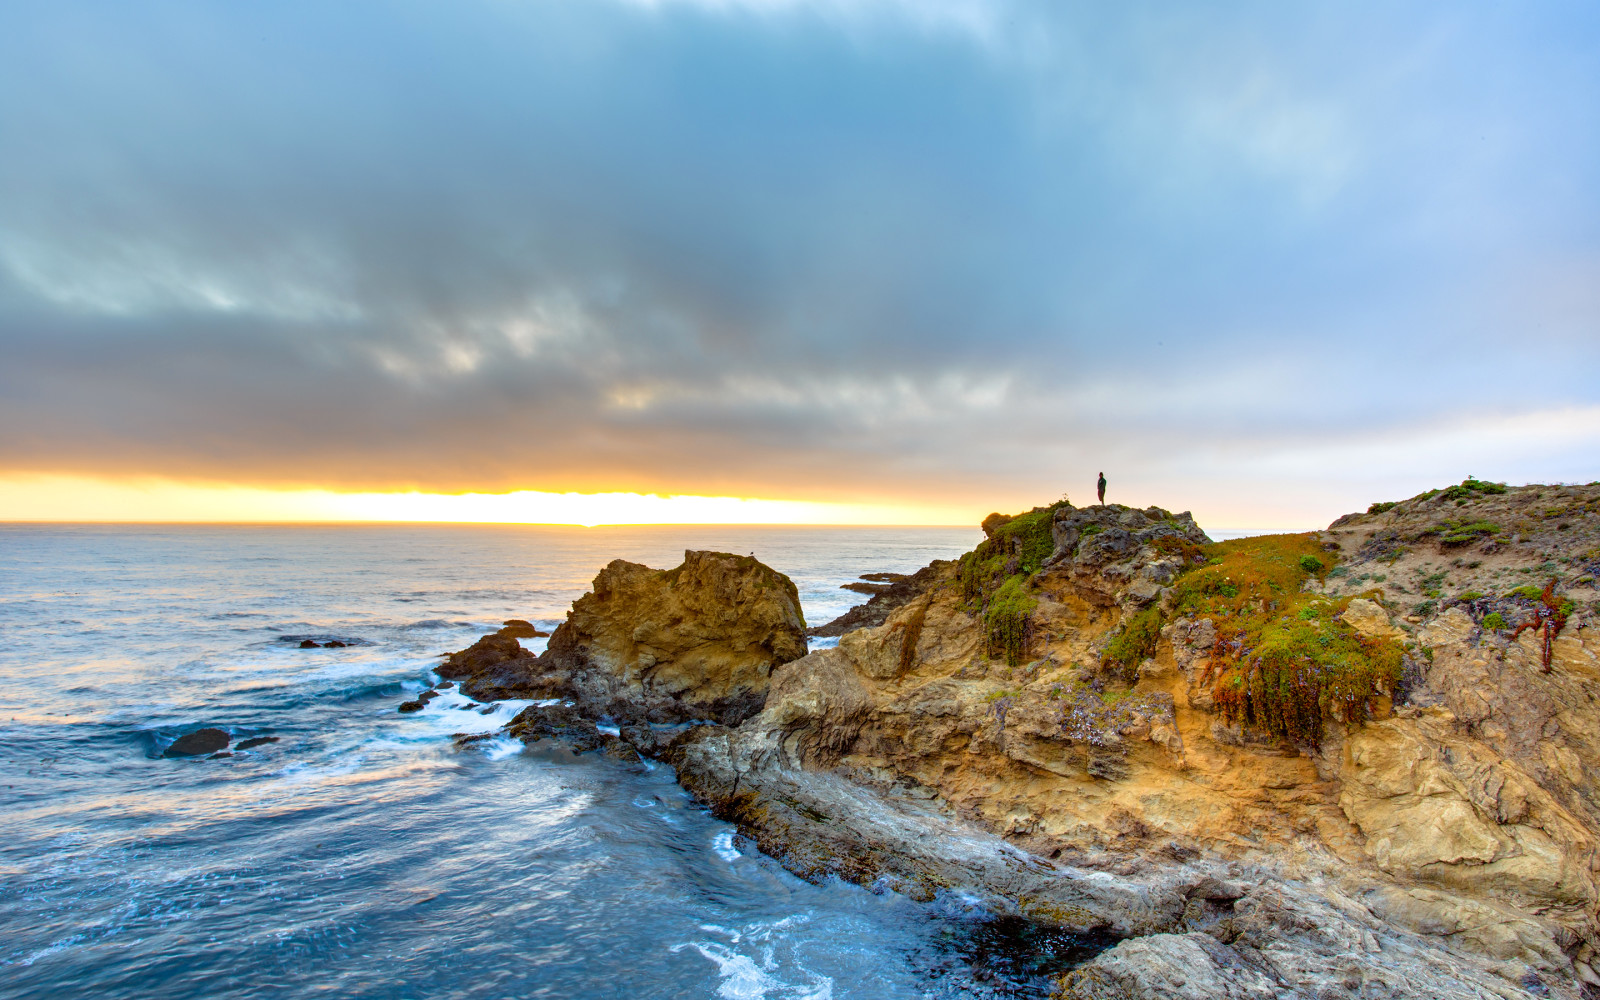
1283 662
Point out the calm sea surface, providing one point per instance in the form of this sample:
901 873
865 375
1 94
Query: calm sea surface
362 854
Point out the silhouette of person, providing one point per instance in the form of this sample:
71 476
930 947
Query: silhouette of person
1101 487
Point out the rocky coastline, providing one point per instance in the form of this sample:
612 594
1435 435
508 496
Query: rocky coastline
1359 762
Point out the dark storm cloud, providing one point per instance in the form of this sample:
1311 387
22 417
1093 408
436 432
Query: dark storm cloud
781 248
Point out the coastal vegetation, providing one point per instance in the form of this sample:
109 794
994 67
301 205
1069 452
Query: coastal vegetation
993 577
1284 661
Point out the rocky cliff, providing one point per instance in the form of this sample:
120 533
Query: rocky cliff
1339 763
1351 763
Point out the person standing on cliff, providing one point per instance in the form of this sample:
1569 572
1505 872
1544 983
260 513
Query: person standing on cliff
1101 488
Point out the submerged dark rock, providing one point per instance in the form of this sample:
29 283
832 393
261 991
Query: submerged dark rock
310 644
201 741
411 706
255 741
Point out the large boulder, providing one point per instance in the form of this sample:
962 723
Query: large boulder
696 642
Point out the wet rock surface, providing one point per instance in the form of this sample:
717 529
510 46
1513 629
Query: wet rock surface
201 741
493 668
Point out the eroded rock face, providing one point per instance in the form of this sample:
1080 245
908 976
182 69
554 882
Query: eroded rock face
696 642
1445 849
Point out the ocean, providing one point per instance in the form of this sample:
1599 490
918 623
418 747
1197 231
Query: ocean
362 854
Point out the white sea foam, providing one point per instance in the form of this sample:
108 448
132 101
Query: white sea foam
609 730
453 712
502 747
722 843
744 979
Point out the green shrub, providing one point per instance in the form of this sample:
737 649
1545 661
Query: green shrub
1005 622
1379 508
1030 535
1527 592
1494 620
1471 489
1310 563
1137 641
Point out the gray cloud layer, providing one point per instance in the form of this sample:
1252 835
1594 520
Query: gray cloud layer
790 249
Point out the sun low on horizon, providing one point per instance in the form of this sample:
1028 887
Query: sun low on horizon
84 499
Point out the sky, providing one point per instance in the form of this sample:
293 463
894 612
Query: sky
876 260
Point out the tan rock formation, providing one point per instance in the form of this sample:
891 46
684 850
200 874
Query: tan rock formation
696 642
1369 618
1447 848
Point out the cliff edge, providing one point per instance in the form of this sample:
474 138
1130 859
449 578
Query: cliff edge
1356 762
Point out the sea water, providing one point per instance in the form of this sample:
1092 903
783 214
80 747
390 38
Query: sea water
363 854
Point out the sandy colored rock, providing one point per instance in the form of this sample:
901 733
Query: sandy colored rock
696 642
1369 618
1453 626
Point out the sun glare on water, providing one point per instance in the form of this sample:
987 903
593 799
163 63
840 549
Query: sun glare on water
72 498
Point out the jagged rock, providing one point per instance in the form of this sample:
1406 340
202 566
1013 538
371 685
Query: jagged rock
891 592
201 741
563 722
1121 555
310 644
696 642
493 668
